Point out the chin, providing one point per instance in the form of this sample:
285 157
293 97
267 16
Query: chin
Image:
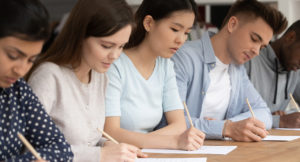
101 70
4 85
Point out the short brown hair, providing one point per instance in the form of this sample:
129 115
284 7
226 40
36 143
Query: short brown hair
255 9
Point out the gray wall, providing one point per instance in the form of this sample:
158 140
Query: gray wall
57 8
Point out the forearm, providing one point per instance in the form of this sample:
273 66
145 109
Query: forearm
262 114
142 140
171 129
212 128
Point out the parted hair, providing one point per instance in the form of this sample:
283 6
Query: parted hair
97 18
158 9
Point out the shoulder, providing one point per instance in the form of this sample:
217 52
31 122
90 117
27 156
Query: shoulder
119 66
100 78
22 91
165 63
46 69
191 47
190 51
47 75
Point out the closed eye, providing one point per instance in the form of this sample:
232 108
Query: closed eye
175 30
106 47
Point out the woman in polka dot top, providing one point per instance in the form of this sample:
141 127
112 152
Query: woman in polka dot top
23 29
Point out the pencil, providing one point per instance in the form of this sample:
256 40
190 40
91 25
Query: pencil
188 114
109 137
29 146
250 108
292 98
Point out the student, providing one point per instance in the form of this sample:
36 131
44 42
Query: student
213 81
70 77
274 74
23 31
143 84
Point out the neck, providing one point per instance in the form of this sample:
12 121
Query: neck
276 47
219 45
142 54
83 73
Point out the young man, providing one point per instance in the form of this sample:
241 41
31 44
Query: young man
213 82
274 74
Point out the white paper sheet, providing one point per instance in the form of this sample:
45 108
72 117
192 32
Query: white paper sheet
280 138
171 160
297 129
223 150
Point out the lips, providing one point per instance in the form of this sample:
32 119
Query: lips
247 55
106 64
11 80
174 49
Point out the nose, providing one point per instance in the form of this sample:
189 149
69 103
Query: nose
255 50
21 69
180 39
115 54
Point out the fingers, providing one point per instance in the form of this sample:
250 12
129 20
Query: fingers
136 152
258 123
130 148
279 112
140 154
249 136
194 139
128 151
199 136
208 118
256 130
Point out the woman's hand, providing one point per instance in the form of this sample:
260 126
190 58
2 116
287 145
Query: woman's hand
191 139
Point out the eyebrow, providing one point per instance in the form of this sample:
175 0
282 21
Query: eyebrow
180 25
103 41
21 52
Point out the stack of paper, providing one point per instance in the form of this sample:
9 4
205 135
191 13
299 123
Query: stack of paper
296 129
280 138
171 160
223 150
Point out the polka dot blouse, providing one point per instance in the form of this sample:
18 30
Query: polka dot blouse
21 111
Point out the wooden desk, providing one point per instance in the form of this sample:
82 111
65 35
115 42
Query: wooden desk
251 151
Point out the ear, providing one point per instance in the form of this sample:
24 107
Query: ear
148 23
232 24
290 37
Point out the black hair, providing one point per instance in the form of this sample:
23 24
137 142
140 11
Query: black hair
296 28
158 9
24 19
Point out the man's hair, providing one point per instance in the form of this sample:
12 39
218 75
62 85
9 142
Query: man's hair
253 9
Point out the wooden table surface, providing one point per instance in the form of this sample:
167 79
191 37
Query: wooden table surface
264 151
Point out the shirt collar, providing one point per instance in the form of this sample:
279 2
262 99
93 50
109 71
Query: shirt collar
208 51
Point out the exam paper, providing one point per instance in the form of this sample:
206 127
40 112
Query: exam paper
280 138
171 160
223 150
297 129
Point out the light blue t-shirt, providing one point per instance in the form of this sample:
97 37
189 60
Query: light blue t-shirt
140 103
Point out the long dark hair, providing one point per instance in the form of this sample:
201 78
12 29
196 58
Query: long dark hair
98 18
24 19
158 9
